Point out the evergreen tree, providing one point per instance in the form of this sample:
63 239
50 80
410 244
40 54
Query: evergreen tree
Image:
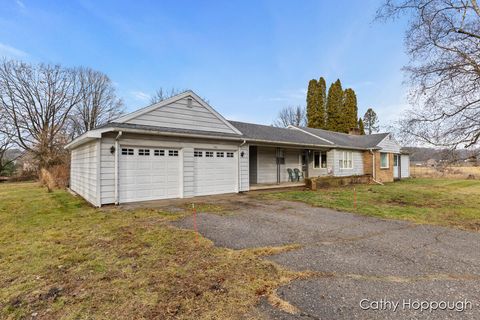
350 111
334 107
312 103
370 120
321 102
361 126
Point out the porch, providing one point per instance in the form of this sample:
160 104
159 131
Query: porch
279 167
266 186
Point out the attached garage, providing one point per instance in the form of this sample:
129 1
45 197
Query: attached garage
148 174
215 172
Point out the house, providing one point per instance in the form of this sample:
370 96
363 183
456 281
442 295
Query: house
181 147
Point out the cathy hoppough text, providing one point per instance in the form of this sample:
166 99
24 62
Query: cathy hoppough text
412 304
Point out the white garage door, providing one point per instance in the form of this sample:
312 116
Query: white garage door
215 172
148 174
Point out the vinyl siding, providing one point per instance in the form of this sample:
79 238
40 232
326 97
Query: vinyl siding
243 168
405 166
357 158
389 144
179 115
83 171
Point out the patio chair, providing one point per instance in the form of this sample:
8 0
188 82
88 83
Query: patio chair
291 176
298 174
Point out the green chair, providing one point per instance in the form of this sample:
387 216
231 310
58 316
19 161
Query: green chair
291 176
298 174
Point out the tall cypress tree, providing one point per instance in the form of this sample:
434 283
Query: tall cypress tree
334 107
350 111
321 103
361 126
312 103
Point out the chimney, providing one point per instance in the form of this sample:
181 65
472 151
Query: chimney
355 131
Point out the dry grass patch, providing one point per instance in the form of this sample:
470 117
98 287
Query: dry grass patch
60 258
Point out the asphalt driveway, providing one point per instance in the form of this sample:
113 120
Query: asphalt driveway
360 262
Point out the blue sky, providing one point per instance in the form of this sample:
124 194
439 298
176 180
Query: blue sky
248 58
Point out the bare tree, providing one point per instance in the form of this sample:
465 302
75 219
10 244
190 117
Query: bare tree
443 41
98 102
162 94
295 116
36 101
7 143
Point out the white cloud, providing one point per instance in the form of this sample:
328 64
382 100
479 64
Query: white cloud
140 95
9 51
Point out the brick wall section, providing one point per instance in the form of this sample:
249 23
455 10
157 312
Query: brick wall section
382 175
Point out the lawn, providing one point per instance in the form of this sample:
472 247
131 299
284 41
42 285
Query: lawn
60 258
444 202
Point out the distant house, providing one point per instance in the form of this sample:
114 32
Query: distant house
181 147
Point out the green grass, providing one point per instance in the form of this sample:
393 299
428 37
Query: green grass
60 258
436 201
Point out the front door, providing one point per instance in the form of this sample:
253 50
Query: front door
396 166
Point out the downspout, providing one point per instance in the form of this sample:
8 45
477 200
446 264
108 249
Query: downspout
373 168
117 147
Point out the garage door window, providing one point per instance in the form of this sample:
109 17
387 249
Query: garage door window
159 153
173 153
229 154
127 152
198 154
143 152
220 154
209 154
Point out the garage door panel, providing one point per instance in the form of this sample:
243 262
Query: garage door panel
148 177
215 175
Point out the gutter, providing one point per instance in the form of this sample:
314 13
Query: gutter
117 148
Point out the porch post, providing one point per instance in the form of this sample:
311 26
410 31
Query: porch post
307 160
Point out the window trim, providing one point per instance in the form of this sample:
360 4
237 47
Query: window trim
345 160
388 160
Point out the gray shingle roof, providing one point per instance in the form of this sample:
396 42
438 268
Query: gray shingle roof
270 133
266 133
348 140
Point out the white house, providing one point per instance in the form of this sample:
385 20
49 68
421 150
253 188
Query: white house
181 147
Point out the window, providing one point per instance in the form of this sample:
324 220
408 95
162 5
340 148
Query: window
395 160
384 160
229 154
320 159
126 152
159 153
209 154
198 154
220 154
346 160
173 153
143 152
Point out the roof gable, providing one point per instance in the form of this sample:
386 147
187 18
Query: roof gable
389 144
184 111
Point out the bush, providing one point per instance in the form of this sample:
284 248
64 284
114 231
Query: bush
55 177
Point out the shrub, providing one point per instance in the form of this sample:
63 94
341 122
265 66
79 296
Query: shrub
55 177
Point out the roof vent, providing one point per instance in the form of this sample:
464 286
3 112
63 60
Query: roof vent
189 102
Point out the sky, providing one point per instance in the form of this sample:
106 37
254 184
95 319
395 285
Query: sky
249 59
